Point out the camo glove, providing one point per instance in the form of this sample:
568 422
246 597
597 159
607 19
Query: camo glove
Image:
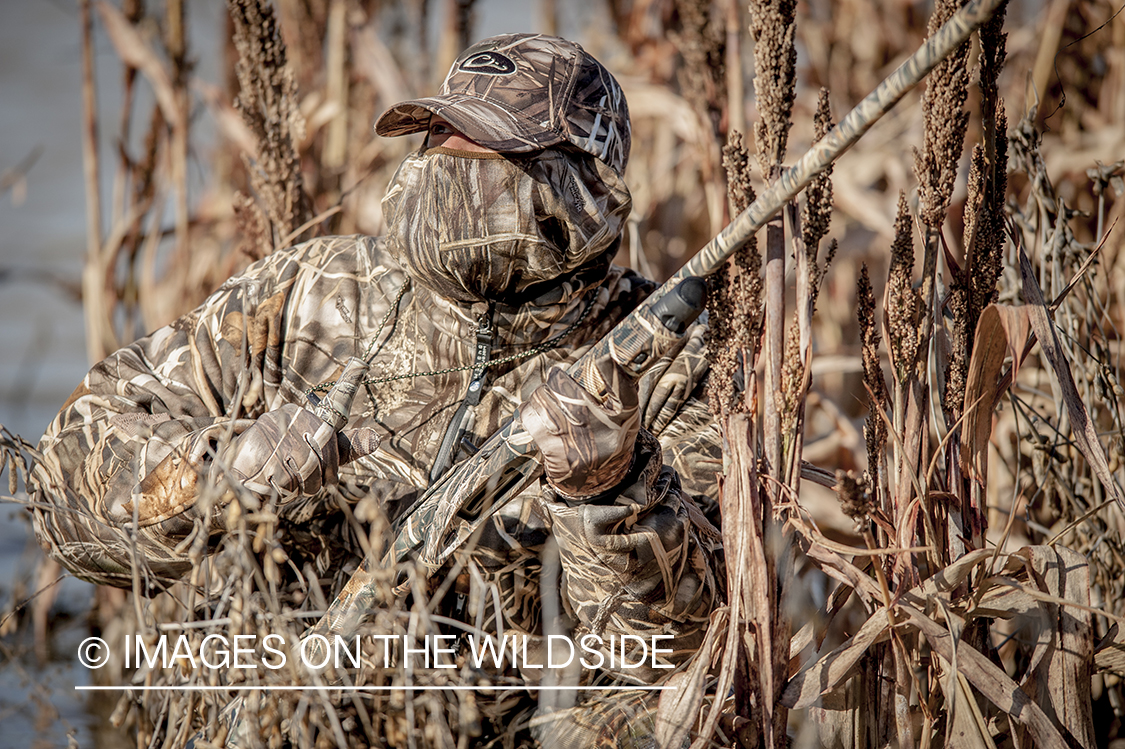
288 451
586 442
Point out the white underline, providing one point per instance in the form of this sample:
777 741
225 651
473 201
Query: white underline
289 688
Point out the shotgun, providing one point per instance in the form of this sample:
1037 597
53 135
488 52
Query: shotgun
454 507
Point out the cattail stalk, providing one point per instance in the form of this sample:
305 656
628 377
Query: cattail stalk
177 51
806 230
773 25
100 339
774 344
902 319
736 109
267 101
334 154
936 169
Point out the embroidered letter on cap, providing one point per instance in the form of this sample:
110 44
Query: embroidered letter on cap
489 63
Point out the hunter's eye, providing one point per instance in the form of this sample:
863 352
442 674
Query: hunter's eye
440 127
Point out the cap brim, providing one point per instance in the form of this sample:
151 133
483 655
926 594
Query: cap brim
481 121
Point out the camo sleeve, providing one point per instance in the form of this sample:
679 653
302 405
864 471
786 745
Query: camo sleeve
646 562
674 409
184 382
647 559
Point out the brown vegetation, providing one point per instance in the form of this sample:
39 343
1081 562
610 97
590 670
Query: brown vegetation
968 587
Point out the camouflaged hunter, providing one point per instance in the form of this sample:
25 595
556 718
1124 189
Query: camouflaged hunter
495 270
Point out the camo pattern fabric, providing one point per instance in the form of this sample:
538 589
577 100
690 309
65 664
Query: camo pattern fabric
518 93
480 226
617 720
641 562
586 446
291 322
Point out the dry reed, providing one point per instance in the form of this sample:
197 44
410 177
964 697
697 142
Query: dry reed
977 563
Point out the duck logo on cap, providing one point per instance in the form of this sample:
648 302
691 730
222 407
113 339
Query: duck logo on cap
489 63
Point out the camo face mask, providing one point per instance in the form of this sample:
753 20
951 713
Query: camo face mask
481 226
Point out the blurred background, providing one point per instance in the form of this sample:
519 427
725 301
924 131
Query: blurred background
132 185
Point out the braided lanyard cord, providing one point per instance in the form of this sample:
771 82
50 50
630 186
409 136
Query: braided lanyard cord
386 316
491 363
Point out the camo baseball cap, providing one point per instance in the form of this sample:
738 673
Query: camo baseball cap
516 93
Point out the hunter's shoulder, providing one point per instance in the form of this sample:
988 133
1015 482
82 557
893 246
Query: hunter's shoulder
358 250
356 254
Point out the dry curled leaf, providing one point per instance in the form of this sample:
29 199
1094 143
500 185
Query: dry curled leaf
1002 330
990 681
679 708
1060 680
817 680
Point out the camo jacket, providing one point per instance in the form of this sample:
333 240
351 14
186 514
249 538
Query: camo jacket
643 560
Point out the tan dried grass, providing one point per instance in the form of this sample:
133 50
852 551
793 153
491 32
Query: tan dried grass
991 531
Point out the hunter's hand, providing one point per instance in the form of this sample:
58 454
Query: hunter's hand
586 442
288 451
